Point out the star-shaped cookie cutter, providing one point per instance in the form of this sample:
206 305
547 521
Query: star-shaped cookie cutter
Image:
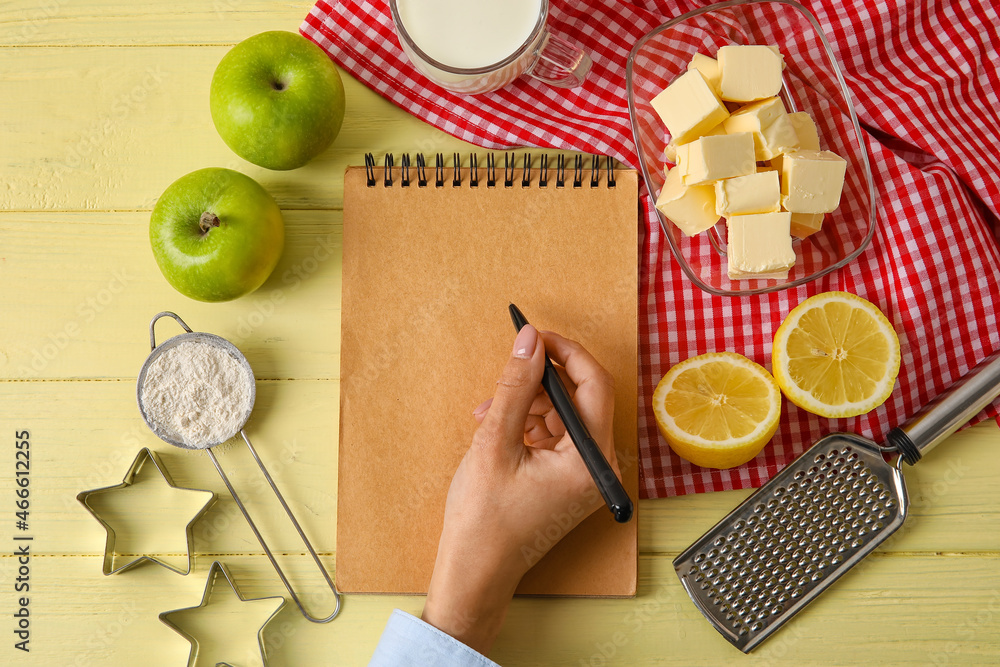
145 457
219 568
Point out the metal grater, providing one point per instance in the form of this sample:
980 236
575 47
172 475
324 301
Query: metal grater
817 518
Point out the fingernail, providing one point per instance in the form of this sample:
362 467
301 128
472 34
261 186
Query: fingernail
483 407
524 344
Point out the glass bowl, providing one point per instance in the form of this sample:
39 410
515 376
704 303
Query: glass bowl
812 82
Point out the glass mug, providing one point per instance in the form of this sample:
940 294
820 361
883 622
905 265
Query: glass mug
477 46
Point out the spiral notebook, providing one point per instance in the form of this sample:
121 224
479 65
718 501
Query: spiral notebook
432 258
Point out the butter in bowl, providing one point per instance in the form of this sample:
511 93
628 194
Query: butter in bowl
750 146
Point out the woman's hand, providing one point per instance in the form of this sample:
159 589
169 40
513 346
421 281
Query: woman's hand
521 476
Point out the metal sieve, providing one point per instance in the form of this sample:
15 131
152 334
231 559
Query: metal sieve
817 518
200 338
164 434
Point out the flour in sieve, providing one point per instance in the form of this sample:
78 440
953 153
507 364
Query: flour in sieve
197 394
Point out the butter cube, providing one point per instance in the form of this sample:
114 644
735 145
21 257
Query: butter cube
749 73
762 113
720 156
805 224
689 107
759 246
670 151
753 193
805 129
812 181
778 138
681 153
780 274
709 68
755 118
691 209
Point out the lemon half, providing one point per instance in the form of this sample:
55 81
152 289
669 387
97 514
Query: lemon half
717 410
836 355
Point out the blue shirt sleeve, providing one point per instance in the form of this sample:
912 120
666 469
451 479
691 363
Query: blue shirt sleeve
408 641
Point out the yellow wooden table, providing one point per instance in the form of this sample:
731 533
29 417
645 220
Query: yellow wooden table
102 105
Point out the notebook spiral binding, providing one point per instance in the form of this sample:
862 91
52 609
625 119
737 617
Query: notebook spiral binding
510 169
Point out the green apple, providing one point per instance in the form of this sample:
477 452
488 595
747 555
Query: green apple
216 234
277 100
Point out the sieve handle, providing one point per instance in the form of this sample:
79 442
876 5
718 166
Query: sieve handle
152 325
949 411
263 543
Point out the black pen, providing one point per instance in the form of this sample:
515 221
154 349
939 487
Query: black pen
607 482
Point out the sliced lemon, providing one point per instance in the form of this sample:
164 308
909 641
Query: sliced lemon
836 355
717 410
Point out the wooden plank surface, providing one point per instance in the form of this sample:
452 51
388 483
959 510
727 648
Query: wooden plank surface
954 495
97 324
103 103
89 433
120 125
877 615
125 22
953 491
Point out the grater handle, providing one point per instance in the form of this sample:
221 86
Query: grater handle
949 411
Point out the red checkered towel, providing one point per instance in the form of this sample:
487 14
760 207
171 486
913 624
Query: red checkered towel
924 79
